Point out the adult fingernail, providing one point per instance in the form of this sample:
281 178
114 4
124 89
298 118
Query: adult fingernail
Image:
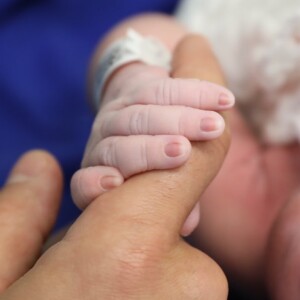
110 182
174 149
210 124
226 99
17 178
30 165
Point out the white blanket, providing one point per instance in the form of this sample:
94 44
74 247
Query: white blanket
258 45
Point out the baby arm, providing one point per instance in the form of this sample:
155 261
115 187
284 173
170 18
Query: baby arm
147 119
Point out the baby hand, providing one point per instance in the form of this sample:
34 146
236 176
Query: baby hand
146 122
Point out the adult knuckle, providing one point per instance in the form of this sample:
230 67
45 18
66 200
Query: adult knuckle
213 284
137 262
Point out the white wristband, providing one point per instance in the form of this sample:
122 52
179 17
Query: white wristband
133 47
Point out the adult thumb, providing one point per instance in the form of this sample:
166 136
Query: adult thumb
29 204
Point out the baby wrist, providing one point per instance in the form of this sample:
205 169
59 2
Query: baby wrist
134 49
128 78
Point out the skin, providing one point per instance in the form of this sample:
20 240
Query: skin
125 245
144 111
249 214
252 228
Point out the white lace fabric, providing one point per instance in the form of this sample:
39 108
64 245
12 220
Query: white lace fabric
258 46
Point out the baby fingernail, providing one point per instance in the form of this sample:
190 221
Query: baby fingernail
174 149
110 182
210 124
226 99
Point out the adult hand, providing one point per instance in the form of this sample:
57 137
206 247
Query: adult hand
126 244
250 214
29 205
146 122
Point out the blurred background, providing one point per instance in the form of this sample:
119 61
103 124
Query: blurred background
45 47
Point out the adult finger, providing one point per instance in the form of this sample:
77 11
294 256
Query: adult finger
28 208
165 198
89 183
195 59
128 240
141 221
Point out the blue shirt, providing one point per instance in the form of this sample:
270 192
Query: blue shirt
45 47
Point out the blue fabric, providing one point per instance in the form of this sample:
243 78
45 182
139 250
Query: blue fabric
45 46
